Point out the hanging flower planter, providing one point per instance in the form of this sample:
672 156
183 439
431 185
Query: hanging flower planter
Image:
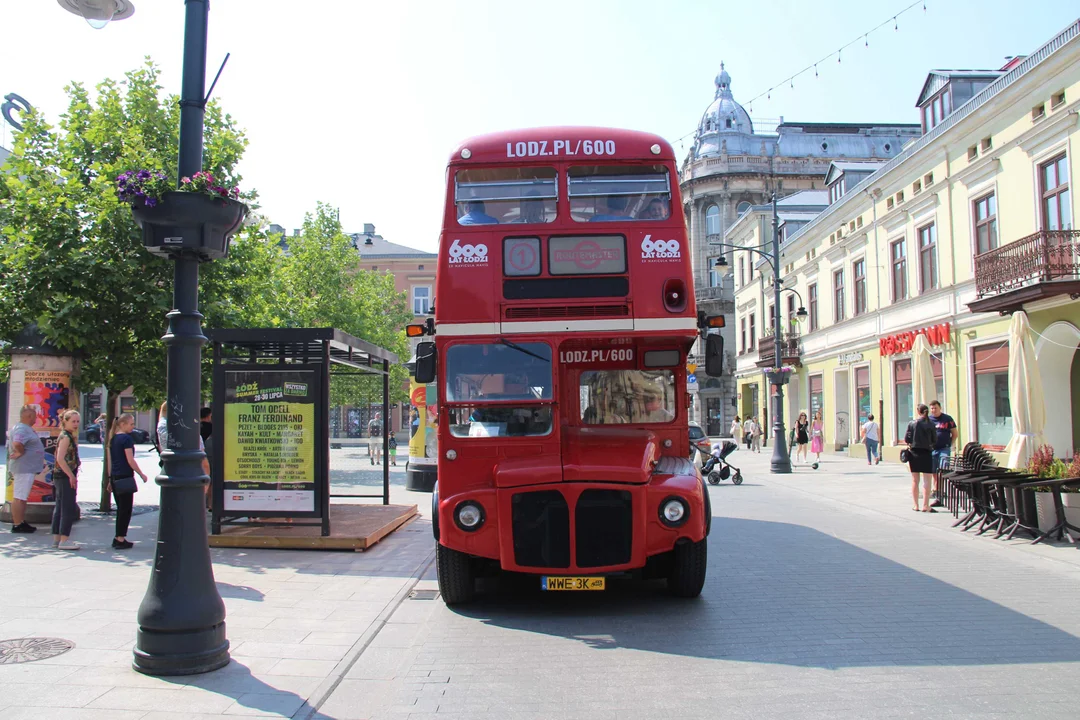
199 219
780 375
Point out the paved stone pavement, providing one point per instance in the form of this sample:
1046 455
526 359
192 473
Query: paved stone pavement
827 597
295 620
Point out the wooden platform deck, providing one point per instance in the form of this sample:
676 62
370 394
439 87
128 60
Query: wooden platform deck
352 527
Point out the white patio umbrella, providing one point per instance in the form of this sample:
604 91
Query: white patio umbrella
923 388
1025 394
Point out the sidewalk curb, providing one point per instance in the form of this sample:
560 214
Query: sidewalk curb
322 693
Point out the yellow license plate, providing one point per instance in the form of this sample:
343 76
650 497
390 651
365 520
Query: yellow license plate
552 582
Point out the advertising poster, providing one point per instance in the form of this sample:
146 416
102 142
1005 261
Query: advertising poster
269 463
48 392
423 426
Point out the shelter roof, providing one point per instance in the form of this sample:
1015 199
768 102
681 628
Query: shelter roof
304 344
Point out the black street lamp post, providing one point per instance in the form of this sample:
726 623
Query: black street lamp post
781 458
182 618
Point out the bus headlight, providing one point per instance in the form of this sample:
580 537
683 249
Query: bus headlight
469 515
674 512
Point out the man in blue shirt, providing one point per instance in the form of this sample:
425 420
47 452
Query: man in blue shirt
616 210
946 436
26 457
475 215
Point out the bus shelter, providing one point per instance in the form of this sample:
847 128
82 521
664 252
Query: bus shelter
270 455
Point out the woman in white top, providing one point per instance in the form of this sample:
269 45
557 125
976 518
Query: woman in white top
736 430
871 437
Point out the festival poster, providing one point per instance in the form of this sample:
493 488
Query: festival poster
48 392
269 433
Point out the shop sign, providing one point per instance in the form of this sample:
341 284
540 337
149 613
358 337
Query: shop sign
903 342
851 358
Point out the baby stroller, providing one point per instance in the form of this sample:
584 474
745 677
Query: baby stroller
716 468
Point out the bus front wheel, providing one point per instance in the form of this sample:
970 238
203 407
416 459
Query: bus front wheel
457 582
688 565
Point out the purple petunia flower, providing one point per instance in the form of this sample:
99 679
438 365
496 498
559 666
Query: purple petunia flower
151 202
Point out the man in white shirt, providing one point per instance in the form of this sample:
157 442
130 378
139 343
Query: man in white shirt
748 431
871 437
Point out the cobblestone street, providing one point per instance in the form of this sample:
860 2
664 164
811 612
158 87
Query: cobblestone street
827 597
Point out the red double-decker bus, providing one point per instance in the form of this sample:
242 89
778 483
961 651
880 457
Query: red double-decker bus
564 314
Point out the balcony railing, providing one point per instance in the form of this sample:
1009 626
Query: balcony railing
1038 258
708 293
790 350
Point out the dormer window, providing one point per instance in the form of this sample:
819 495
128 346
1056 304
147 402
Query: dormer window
727 123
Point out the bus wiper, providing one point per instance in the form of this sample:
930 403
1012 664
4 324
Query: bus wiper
507 343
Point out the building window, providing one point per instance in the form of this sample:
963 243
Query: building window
421 300
986 224
791 311
858 271
419 267
817 395
742 271
811 292
772 318
742 335
753 333
898 251
862 395
838 296
715 279
1054 183
928 275
712 220
993 412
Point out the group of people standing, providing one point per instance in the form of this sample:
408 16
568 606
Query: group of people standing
929 439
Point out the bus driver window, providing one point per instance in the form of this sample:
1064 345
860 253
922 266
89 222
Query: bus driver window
495 196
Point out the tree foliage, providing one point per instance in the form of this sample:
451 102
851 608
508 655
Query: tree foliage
71 256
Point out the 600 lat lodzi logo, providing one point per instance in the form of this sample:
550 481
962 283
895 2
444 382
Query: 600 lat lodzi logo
660 249
468 254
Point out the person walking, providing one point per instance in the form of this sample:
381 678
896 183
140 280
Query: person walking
802 437
919 438
66 481
736 430
943 444
26 458
817 436
871 437
375 430
392 449
122 472
755 435
748 431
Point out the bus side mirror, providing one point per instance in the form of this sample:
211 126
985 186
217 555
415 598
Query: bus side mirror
714 355
426 365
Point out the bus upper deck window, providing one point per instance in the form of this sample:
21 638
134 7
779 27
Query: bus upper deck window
497 196
619 193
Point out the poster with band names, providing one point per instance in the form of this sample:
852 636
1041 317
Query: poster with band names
269 441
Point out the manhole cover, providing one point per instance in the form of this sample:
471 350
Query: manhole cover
424 594
23 650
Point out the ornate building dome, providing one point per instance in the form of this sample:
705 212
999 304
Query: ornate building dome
723 116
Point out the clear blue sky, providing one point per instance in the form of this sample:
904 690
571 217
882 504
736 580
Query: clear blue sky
359 103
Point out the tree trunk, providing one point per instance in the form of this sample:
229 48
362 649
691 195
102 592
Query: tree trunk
111 407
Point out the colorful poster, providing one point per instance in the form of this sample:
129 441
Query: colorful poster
48 392
269 441
423 426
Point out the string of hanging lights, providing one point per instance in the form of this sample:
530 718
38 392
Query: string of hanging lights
838 53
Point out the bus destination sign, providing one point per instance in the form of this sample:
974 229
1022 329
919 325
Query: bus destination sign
559 148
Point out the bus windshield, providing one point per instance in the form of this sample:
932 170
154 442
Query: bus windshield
619 193
497 196
497 372
622 397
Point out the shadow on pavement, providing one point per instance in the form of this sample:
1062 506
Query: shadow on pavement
251 693
788 594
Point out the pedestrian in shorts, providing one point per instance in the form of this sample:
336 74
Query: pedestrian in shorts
393 450
375 431
26 458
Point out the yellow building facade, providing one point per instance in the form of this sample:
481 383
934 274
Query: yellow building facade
971 222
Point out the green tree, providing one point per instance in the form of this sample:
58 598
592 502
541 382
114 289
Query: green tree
71 256
318 284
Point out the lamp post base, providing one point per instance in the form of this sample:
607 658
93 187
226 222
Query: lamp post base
184 653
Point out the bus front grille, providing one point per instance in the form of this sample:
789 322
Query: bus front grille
541 522
603 528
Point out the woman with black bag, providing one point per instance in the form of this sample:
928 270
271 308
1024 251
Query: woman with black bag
920 436
122 471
